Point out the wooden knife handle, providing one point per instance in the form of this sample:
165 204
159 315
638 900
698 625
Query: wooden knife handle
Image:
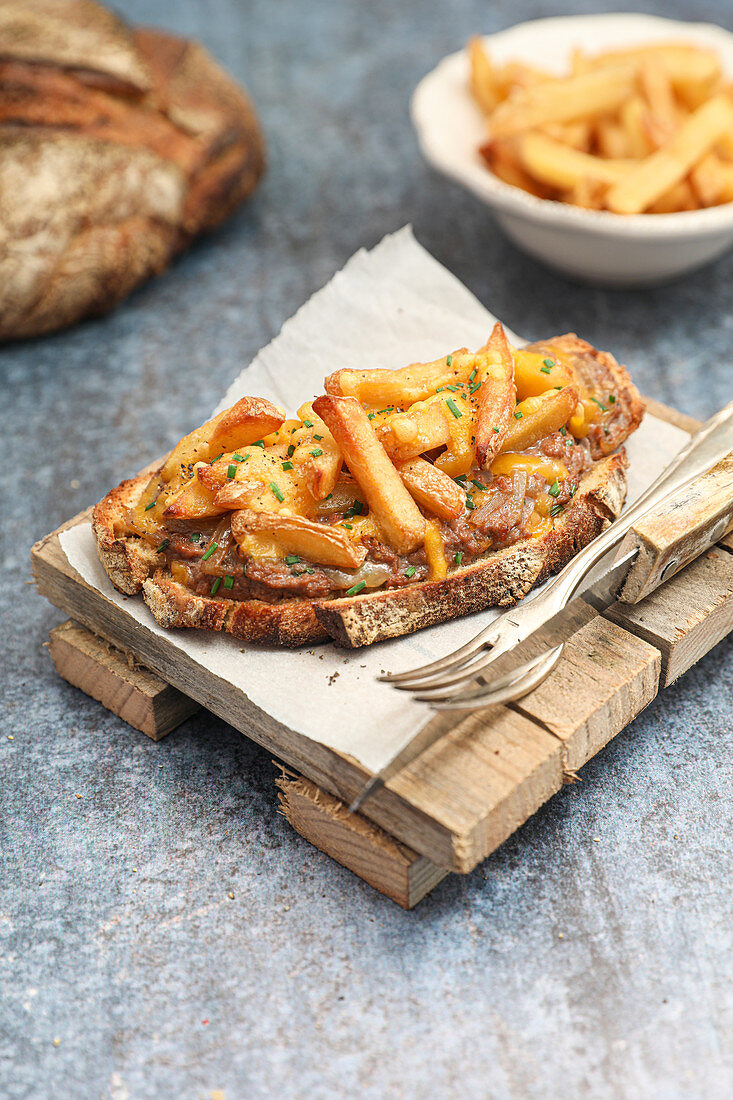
670 536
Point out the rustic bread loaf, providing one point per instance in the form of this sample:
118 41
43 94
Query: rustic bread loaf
117 146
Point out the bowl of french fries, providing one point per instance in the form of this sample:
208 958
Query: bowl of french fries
603 144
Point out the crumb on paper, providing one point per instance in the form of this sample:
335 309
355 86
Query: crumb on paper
57 1042
230 895
561 935
332 678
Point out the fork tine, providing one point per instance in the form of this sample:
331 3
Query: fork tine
468 672
453 688
524 680
459 657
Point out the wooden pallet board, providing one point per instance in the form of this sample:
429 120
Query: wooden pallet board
490 771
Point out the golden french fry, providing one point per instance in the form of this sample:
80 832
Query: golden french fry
587 193
652 177
239 494
389 501
581 96
426 425
611 139
549 161
684 63
726 171
194 500
501 157
537 417
244 423
317 542
680 197
401 387
708 180
516 74
634 120
482 81
575 134
496 396
656 87
433 489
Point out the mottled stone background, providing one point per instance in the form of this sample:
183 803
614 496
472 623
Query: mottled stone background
118 936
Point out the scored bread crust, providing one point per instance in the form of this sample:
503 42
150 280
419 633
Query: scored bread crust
499 578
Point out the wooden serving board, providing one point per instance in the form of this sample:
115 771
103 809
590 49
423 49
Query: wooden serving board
478 783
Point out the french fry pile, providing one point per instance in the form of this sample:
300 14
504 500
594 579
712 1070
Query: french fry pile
385 454
641 130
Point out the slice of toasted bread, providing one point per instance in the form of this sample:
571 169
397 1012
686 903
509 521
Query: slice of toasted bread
499 578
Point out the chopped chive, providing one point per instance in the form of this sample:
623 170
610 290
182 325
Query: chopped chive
291 451
545 370
216 459
196 536
308 423
556 510
356 589
517 416
549 363
348 526
459 478
497 430
469 504
309 570
440 389
328 497
215 586
287 465
164 545
214 546
479 485
458 558
317 453
259 443
356 509
449 361
232 470
292 559
277 491
229 581
410 572
318 438
612 398
454 408
371 416
602 407
573 490
554 489
453 389
563 430
151 505
474 387
239 458
473 374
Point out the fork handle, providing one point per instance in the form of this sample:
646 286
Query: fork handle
675 533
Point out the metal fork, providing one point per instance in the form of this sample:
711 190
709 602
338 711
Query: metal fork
446 683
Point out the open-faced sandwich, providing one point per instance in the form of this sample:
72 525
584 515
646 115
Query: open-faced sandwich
396 500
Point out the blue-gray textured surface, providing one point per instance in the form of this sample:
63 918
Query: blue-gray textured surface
118 935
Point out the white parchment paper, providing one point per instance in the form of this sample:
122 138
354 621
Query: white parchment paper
388 307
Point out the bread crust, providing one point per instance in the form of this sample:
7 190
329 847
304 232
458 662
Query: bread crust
498 579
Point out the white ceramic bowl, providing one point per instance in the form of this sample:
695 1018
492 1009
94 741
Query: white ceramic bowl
589 245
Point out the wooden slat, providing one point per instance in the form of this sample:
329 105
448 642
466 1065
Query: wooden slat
605 678
121 685
355 843
686 617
